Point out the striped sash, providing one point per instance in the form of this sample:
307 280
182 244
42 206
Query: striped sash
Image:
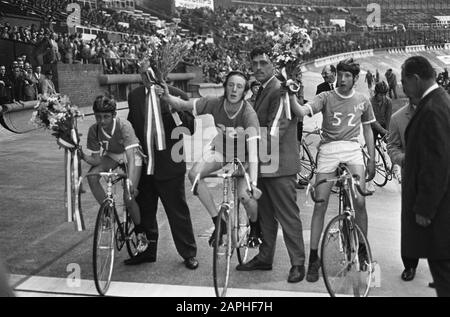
154 128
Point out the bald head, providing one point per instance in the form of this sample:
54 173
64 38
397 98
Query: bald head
329 73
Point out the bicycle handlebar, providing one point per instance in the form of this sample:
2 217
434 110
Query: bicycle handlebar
354 180
254 193
108 174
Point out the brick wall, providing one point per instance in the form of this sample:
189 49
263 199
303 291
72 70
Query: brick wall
80 83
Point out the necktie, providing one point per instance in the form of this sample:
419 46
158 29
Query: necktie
258 94
331 86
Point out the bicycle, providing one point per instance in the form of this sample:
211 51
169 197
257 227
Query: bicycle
308 164
237 226
383 172
110 231
346 257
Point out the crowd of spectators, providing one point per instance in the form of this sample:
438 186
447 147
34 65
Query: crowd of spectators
222 38
21 82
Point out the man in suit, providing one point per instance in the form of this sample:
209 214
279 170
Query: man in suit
5 86
425 217
39 77
396 151
392 82
163 178
329 77
48 87
30 90
277 179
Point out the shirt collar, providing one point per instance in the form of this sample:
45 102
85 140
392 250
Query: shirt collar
429 90
267 82
345 97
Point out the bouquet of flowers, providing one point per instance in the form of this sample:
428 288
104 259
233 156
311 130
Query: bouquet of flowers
57 114
164 51
291 42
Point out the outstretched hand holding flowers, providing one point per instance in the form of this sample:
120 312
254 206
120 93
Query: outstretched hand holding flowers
291 43
57 114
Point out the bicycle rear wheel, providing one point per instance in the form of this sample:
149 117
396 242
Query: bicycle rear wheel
342 271
130 236
222 252
307 164
103 248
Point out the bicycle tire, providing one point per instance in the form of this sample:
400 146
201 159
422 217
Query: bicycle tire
381 175
307 164
130 236
340 265
222 253
243 251
103 269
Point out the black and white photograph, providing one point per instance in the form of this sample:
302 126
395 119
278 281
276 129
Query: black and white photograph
225 155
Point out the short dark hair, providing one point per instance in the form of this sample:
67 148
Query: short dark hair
260 50
420 66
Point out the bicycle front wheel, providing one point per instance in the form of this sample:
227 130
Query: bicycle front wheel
243 251
307 164
222 252
103 248
381 170
346 259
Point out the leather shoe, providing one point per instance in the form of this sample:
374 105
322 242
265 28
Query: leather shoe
148 256
432 285
408 274
191 263
253 265
296 274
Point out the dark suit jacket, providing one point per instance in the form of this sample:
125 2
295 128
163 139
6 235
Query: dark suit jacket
286 159
165 167
426 180
325 86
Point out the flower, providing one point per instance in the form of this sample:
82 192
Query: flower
57 114
164 52
291 43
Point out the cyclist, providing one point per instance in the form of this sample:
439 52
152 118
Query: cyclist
344 110
233 115
113 141
382 107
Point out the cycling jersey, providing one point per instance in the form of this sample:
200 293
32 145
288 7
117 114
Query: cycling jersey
342 115
121 138
245 122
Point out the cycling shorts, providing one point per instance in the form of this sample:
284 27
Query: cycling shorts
333 153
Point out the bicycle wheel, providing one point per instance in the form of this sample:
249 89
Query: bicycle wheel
130 236
307 164
222 253
381 170
243 251
381 174
103 248
341 269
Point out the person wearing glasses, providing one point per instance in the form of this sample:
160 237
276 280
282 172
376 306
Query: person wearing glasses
329 77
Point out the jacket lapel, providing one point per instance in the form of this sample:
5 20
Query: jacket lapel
420 108
264 94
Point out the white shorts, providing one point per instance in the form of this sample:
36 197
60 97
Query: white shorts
334 153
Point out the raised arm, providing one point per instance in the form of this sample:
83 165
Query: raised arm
177 103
